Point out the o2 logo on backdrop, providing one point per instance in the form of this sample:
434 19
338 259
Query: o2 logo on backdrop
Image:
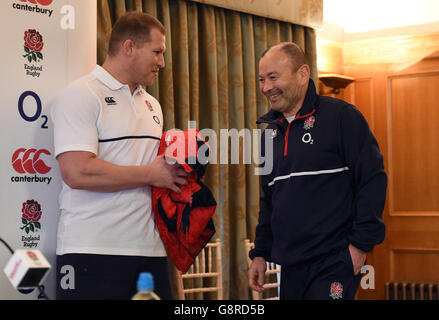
29 291
35 115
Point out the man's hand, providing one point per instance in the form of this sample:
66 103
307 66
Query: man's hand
82 170
358 258
256 274
165 175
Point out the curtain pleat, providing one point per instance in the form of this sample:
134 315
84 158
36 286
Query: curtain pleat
311 53
150 6
260 37
249 222
138 6
286 31
119 8
211 77
104 26
299 36
180 58
273 32
194 58
166 79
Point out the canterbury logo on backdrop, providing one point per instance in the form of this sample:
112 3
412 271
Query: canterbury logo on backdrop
28 161
41 2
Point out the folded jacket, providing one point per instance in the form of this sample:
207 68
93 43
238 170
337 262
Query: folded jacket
184 220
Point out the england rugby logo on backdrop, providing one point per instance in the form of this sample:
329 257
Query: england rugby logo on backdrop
31 215
33 46
30 218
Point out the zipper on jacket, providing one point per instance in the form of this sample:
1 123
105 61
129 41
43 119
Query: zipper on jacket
286 139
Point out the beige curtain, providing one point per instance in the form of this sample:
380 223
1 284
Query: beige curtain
211 78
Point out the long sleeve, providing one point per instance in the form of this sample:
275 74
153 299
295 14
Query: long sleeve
264 235
364 159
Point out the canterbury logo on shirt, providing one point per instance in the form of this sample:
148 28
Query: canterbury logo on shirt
110 101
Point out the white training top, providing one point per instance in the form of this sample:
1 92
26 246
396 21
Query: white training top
289 119
98 114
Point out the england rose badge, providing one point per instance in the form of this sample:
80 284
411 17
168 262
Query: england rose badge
33 44
336 291
309 122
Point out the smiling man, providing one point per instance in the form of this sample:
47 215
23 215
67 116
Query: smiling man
107 131
321 206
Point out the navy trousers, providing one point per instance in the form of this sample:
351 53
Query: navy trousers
327 278
108 277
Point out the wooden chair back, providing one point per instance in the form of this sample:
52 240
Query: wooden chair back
272 277
207 265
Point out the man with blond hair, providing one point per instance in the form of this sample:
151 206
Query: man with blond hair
107 130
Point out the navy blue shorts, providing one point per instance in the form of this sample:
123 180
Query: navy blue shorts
329 277
108 277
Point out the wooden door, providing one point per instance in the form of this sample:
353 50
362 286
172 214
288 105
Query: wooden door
403 112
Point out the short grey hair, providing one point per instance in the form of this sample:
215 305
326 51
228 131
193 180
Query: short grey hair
293 51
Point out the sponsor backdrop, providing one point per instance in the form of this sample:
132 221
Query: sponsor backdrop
45 45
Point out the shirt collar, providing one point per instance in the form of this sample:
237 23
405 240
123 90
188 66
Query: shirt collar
107 79
311 100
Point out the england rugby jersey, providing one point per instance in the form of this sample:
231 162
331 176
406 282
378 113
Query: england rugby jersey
99 114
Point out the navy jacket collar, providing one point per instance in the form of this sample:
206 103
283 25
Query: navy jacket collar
309 104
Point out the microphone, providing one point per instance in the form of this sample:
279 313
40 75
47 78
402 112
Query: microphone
27 269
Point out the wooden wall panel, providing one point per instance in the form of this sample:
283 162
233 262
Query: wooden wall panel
414 141
364 99
414 264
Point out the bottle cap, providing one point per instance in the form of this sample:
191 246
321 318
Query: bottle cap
145 282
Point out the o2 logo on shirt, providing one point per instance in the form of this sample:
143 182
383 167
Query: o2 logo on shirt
307 138
36 114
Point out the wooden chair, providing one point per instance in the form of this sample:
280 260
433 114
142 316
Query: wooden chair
207 265
272 278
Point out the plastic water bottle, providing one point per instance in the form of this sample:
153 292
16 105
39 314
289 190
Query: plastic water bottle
145 288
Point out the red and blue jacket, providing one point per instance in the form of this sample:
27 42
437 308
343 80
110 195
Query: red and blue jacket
184 219
327 188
